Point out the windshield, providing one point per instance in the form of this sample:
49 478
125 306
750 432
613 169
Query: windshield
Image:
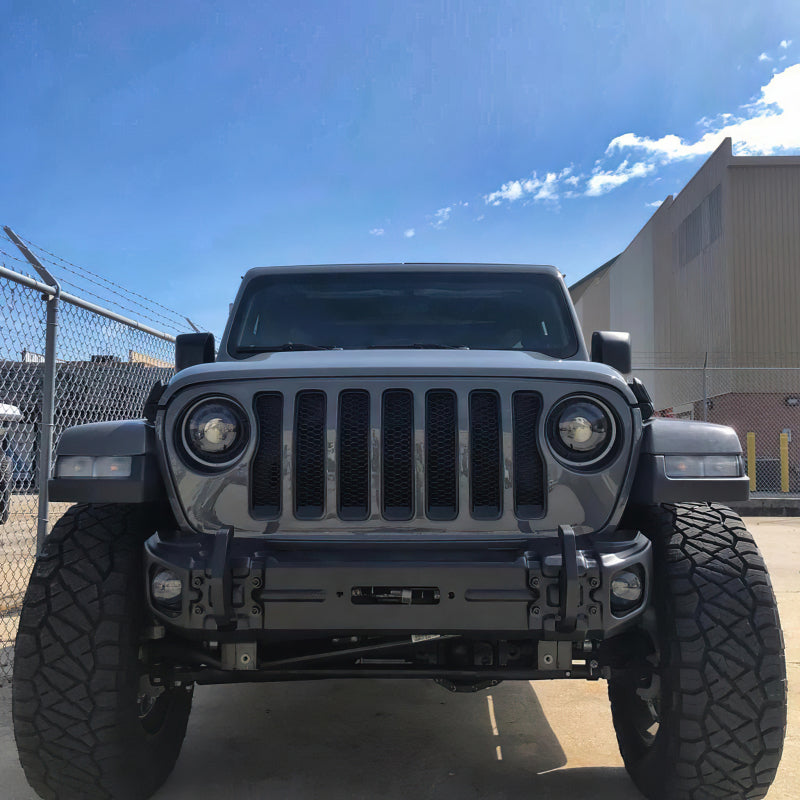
491 310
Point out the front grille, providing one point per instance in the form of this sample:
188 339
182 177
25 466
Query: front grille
397 455
309 454
484 454
441 455
528 465
353 458
265 486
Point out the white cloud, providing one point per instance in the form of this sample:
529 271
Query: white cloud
785 43
510 191
441 217
377 231
409 233
764 57
771 124
533 188
480 217
603 181
654 204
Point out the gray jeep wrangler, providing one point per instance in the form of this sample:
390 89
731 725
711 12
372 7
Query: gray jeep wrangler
400 471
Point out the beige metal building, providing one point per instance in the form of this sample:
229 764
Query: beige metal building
713 279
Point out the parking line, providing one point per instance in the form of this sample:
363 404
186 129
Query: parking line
493 721
490 702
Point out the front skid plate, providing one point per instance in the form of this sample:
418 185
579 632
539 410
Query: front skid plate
237 588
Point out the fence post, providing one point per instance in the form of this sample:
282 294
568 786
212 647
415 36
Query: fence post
705 389
784 462
751 459
48 388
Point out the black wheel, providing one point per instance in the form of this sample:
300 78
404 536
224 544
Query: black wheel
701 711
87 721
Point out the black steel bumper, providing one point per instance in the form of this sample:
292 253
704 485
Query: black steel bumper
237 589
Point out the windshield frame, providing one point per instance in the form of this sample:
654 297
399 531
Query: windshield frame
228 352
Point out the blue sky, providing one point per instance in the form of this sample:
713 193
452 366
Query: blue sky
171 146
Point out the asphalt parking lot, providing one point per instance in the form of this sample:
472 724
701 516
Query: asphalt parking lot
401 739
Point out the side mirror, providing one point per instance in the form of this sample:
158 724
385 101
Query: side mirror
612 348
192 349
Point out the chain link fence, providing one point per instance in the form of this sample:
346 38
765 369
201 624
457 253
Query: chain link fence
762 404
104 366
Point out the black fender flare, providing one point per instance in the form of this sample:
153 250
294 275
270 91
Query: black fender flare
134 438
672 437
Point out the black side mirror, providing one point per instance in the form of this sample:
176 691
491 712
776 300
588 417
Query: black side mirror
192 349
612 348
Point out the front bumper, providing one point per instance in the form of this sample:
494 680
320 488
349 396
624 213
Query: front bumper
248 589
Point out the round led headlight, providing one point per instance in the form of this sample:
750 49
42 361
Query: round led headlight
581 430
215 431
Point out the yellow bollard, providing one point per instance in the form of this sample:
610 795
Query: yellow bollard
784 462
751 459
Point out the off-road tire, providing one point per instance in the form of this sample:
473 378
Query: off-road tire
77 675
722 673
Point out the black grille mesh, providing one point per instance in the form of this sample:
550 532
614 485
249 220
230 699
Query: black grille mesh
353 427
353 454
398 454
441 438
485 455
528 465
309 444
265 487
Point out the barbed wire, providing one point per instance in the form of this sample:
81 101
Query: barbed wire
15 258
162 319
163 322
89 272
122 299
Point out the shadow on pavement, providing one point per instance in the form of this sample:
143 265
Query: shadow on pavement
368 739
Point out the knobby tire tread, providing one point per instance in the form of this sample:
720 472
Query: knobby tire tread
722 732
75 678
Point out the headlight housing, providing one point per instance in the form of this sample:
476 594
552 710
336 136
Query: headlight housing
581 430
214 432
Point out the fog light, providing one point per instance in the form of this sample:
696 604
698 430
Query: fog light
167 588
627 590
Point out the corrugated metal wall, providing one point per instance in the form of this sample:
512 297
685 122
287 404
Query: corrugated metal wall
593 308
764 258
691 277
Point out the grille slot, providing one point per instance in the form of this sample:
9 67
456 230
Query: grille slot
441 455
398 454
309 458
353 460
265 486
528 464
485 454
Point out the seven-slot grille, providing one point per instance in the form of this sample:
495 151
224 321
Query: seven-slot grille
401 457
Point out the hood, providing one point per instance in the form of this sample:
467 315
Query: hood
399 363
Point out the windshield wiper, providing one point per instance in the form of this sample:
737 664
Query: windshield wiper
287 347
417 346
